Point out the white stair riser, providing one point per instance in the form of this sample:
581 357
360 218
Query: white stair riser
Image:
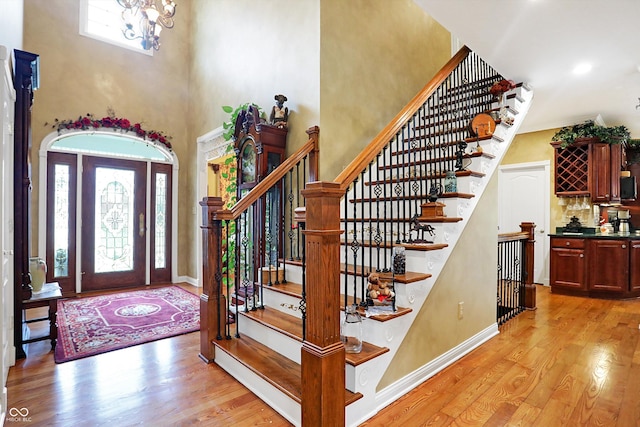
283 344
285 303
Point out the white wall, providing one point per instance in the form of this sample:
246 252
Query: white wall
11 23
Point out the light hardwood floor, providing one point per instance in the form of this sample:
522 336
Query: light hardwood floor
573 362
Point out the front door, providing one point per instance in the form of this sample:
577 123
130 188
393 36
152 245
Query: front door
113 223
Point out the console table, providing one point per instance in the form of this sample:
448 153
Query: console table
49 297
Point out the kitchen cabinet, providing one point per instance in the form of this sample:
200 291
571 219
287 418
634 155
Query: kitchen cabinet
610 270
595 265
567 264
589 167
634 265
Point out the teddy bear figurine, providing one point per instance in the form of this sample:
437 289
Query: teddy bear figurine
378 288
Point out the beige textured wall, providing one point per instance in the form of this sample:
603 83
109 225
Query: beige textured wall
535 147
11 12
468 276
248 51
80 75
376 55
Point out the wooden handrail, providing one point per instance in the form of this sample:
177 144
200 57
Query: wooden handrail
311 147
512 237
349 174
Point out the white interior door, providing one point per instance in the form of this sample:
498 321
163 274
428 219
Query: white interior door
523 190
7 100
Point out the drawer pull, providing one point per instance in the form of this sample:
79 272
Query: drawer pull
568 243
624 246
581 255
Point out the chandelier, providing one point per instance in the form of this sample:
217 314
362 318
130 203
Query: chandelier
143 20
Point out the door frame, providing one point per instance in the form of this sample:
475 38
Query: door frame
171 159
541 230
7 113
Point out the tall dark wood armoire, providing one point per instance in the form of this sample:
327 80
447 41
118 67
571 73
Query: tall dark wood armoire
26 81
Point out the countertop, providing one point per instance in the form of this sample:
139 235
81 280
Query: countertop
631 235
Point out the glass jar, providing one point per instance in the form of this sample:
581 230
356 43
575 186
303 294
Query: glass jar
351 330
399 260
450 182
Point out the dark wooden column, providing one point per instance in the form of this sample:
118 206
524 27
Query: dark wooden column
25 82
323 355
212 302
529 286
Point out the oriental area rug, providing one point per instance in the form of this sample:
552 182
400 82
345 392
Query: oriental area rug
93 325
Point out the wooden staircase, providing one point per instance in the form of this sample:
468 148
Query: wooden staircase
267 346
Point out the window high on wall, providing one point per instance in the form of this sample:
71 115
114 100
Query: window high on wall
102 20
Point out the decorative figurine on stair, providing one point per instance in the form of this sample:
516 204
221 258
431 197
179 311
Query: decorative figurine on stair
380 290
434 192
421 229
279 113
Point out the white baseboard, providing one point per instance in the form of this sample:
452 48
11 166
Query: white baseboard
187 279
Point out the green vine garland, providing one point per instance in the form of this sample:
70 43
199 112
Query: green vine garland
610 135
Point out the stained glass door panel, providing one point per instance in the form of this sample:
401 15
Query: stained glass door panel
114 224
113 220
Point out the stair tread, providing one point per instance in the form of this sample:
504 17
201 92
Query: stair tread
400 311
419 247
435 160
424 246
440 175
407 277
288 288
457 195
439 219
369 351
279 371
278 321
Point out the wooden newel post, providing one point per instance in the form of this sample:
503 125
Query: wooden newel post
529 286
212 302
323 355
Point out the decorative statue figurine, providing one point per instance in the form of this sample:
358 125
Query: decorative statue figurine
279 113
421 229
434 192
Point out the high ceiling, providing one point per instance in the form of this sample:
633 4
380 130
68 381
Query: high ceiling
541 42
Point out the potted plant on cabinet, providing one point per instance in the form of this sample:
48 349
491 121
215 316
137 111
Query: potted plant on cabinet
589 129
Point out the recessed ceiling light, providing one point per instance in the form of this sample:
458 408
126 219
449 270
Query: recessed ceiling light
582 68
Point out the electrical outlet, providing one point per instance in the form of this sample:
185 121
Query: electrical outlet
460 310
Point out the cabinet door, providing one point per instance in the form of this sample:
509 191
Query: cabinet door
634 265
617 164
600 172
567 269
571 170
611 271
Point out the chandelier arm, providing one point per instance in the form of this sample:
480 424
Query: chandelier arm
139 10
